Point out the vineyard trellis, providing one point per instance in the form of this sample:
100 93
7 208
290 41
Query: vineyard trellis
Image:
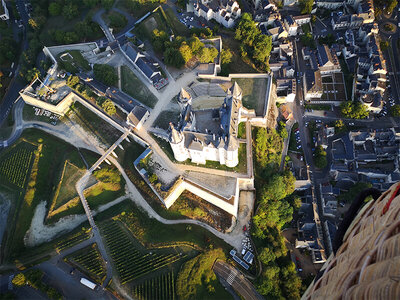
129 262
15 164
72 241
90 261
157 288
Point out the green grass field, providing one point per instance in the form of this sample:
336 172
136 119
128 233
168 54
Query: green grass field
77 59
134 87
66 189
254 90
165 117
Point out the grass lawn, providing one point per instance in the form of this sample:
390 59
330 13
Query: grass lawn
66 190
89 120
134 87
175 24
77 59
242 130
237 65
253 92
165 117
318 106
293 142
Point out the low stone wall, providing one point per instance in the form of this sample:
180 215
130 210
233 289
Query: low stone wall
85 47
205 194
61 108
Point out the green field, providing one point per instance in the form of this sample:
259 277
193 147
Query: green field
66 190
134 87
254 90
77 61
89 261
130 262
90 121
160 287
15 163
165 117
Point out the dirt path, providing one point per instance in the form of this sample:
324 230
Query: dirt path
39 232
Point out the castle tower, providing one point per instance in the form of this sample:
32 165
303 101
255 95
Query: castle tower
177 142
184 98
236 91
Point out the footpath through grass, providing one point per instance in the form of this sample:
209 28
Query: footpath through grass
134 87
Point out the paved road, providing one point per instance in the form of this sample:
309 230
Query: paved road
15 86
305 139
236 279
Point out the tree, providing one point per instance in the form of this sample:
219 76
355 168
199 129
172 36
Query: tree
226 56
207 55
395 110
354 110
391 6
31 74
7 50
107 4
70 11
159 39
186 52
117 21
247 30
195 45
90 3
262 48
320 157
109 107
173 57
306 6
55 9
105 74
340 126
19 280
72 81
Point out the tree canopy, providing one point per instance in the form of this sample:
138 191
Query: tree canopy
306 6
105 74
253 42
320 157
354 110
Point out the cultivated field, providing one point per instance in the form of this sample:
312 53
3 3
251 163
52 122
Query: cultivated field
134 87
130 262
161 288
89 261
15 163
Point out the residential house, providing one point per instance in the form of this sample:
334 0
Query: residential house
291 26
225 12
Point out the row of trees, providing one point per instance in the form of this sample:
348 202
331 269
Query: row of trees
254 45
276 203
106 104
